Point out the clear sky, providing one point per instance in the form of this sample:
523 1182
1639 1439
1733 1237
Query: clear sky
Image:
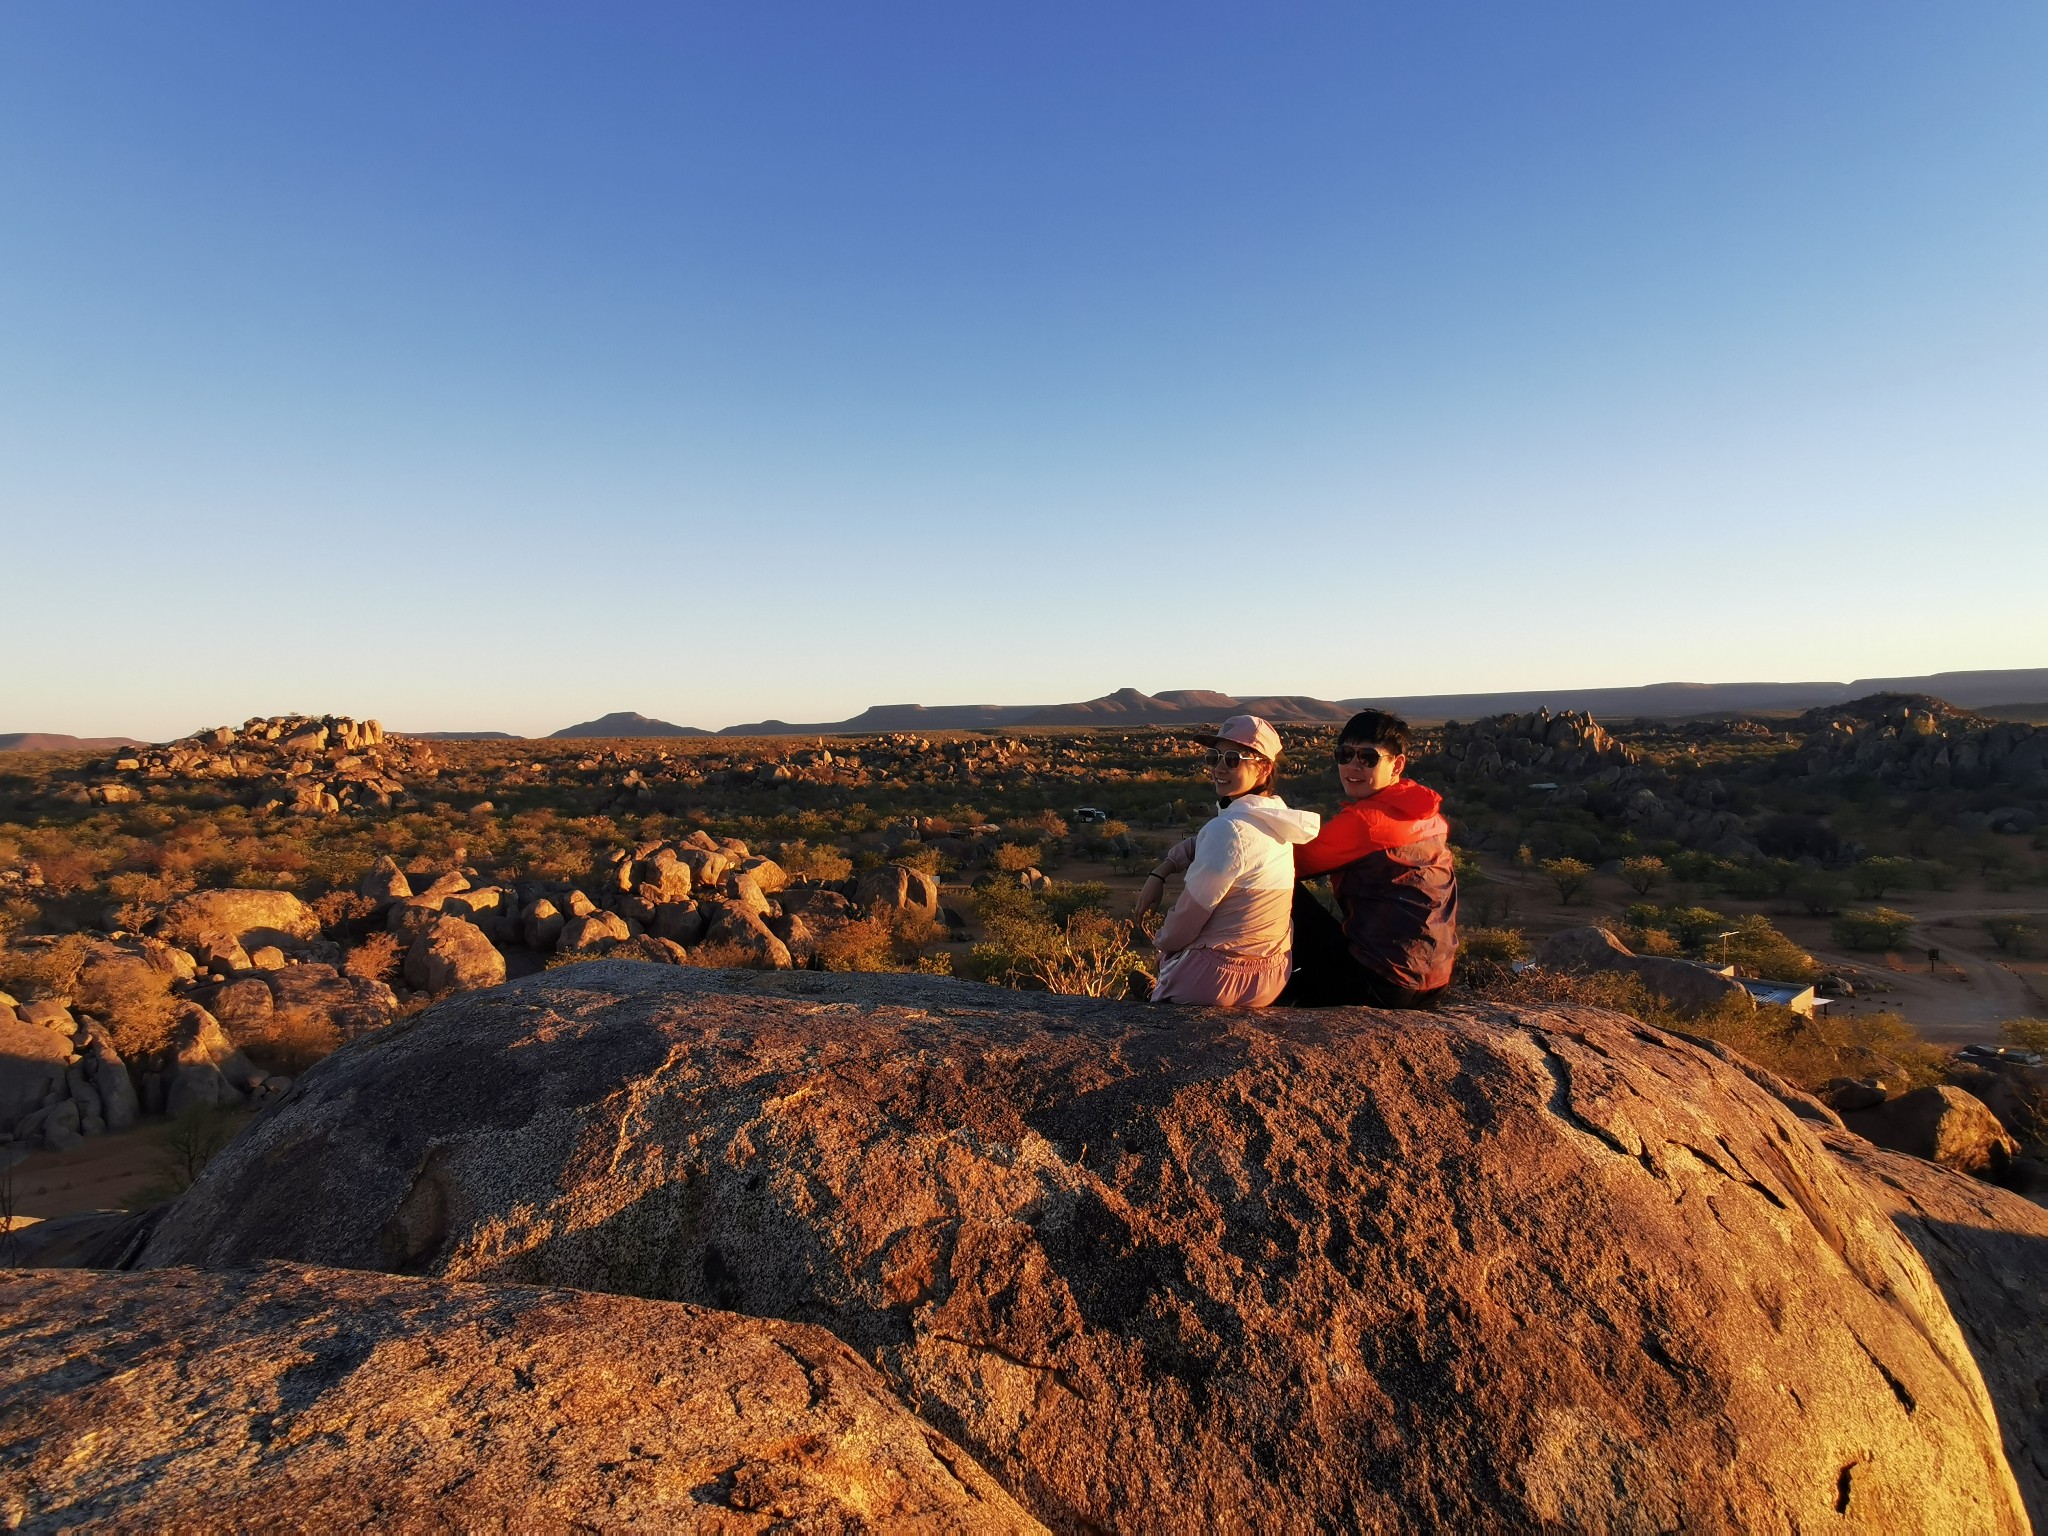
500 365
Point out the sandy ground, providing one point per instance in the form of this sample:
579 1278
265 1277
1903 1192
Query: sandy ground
104 1173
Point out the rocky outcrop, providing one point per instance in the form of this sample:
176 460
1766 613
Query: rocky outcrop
61 1079
1687 987
206 1070
1988 1249
303 764
1487 1269
249 918
1914 742
32 1063
895 887
286 1398
1942 1124
453 955
1572 743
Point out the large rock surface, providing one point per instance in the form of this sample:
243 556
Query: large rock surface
286 1399
1487 1269
1988 1249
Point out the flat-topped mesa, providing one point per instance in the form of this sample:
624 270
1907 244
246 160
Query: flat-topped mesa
1485 1269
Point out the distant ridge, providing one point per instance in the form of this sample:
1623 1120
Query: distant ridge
1654 701
626 723
460 735
54 741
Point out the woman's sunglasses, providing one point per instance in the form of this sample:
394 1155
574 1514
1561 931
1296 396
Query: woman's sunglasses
1219 759
1365 757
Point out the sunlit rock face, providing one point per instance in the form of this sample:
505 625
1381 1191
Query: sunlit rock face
1485 1269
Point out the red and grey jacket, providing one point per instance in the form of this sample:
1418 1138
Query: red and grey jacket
1389 862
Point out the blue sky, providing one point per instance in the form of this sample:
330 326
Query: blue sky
496 366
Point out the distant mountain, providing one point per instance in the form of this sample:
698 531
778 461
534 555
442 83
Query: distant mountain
1656 701
52 741
627 723
1665 701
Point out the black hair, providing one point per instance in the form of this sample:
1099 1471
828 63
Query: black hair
1377 728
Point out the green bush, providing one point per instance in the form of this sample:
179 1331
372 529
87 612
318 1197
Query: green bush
1693 927
1874 877
803 861
1759 949
1820 895
1014 858
2011 933
1871 928
1490 949
1644 872
1570 876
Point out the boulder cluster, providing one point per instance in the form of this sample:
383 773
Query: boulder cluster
309 764
61 1079
1912 742
1491 1268
660 900
1572 744
252 961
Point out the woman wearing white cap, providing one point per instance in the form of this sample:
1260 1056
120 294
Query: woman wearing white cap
1227 942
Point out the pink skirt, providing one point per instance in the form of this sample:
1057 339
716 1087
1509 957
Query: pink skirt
1208 978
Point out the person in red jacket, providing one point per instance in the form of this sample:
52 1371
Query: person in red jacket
1388 856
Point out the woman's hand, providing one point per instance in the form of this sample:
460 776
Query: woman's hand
1149 895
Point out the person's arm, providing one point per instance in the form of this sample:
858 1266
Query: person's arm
1177 859
1345 838
1214 871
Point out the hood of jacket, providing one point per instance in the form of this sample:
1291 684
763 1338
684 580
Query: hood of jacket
1405 800
1276 818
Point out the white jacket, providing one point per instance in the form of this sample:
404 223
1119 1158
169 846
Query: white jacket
1239 892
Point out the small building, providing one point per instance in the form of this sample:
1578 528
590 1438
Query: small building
1798 996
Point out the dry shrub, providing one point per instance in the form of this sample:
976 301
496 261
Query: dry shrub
139 896
803 861
133 997
1014 858
2028 1034
32 971
1046 824
339 907
885 941
718 955
864 944
291 1040
1097 956
375 959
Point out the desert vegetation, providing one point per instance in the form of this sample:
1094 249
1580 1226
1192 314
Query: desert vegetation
413 867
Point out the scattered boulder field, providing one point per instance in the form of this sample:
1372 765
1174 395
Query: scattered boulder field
1491 1269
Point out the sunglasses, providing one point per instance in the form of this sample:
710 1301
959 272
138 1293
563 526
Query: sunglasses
1219 759
1365 757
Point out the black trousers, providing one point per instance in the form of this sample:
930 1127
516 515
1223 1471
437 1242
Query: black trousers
1328 975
